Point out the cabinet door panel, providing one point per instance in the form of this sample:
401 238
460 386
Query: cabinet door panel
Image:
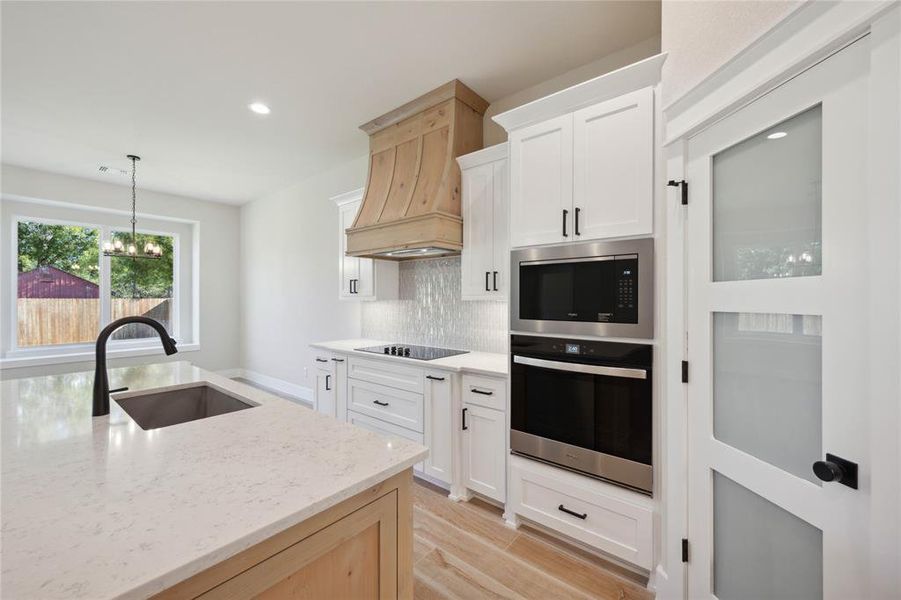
439 426
613 166
501 229
477 257
484 451
541 162
349 266
325 392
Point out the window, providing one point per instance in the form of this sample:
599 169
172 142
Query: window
58 284
67 291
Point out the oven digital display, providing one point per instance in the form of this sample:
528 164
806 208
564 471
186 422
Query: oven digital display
573 349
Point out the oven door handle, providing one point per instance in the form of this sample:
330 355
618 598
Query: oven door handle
580 368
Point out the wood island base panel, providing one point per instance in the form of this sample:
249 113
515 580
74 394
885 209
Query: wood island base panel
360 548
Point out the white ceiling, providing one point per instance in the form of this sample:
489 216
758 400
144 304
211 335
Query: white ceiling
84 83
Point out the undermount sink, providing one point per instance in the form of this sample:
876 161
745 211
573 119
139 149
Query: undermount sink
153 410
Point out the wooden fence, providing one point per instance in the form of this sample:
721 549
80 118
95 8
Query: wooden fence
45 321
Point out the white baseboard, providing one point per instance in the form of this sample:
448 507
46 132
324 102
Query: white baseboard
304 394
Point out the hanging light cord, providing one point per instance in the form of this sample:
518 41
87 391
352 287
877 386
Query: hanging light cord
134 220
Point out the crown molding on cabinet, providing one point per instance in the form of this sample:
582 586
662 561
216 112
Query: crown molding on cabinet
485 155
639 75
348 197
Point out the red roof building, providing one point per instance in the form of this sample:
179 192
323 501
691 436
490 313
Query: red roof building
50 282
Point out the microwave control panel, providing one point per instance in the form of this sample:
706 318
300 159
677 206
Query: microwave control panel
625 301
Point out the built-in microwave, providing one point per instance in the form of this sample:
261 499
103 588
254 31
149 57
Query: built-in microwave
593 288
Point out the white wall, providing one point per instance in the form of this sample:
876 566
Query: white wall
289 272
702 35
218 235
495 134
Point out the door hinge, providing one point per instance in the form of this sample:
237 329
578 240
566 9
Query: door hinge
682 184
684 550
684 371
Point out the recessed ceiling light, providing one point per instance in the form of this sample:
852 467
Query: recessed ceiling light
776 135
259 108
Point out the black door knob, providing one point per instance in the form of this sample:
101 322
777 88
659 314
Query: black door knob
837 469
828 471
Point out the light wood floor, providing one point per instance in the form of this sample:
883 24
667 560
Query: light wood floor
463 550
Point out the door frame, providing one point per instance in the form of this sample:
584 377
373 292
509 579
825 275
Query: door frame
804 38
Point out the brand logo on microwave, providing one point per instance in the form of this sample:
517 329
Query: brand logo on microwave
605 317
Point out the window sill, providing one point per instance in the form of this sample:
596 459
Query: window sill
28 359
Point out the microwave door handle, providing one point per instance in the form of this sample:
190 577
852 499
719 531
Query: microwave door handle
626 372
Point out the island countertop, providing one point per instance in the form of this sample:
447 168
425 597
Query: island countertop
99 508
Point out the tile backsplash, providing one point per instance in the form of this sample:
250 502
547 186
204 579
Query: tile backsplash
432 312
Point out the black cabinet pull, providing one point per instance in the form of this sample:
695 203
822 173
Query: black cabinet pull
582 516
355 282
837 469
321 359
338 359
433 378
464 419
327 388
578 210
487 275
380 403
495 281
483 392
565 213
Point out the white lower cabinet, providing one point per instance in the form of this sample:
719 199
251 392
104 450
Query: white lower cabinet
609 518
439 414
485 451
325 396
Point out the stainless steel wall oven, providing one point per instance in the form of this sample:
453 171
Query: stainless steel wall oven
584 405
593 288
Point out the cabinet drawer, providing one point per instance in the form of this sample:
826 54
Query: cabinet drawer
402 377
599 514
485 391
385 403
386 429
323 361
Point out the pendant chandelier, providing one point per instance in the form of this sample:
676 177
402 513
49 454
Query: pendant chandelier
117 247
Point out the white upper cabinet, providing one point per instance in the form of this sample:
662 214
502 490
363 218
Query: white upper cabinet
582 159
361 278
485 223
541 184
613 167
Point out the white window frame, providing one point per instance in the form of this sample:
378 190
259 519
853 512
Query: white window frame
17 356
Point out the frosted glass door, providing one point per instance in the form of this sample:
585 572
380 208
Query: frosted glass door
776 341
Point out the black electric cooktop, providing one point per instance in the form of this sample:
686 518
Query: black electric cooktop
416 352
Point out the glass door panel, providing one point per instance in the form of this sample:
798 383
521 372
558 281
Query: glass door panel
767 202
767 388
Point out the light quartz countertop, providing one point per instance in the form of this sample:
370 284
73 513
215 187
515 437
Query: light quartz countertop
99 508
483 363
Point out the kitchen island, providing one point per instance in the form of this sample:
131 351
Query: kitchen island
274 500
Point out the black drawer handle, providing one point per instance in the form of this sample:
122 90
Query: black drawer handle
338 359
464 419
433 378
483 392
380 403
487 275
321 360
582 516
327 388
495 281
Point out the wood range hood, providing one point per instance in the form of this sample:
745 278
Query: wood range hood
411 206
